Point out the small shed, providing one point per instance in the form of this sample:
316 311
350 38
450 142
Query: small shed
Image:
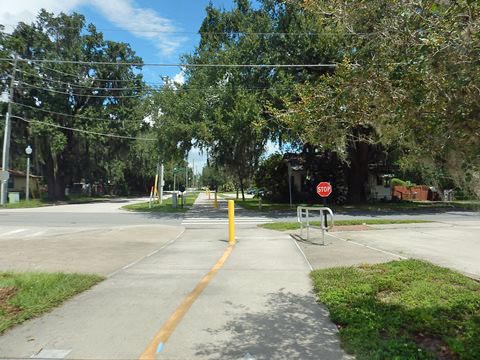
18 183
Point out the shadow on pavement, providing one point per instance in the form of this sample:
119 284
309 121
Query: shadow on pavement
290 327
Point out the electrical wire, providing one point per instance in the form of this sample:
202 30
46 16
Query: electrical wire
81 95
63 114
237 33
80 86
180 65
152 90
88 78
83 131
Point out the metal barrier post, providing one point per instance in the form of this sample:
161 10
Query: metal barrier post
308 225
325 225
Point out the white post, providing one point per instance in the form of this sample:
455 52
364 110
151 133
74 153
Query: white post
161 183
28 179
6 136
308 226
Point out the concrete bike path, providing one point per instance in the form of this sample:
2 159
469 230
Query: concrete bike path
258 306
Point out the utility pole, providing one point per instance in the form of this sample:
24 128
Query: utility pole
186 176
161 183
6 136
193 175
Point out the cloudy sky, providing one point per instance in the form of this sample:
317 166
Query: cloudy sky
158 30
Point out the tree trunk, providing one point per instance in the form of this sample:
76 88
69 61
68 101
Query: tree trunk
358 173
50 175
242 189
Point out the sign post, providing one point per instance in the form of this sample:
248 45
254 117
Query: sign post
324 190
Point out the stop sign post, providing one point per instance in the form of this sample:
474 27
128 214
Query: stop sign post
324 189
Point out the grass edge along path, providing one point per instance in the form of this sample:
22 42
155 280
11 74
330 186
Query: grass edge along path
285 226
70 200
166 205
407 309
402 206
26 295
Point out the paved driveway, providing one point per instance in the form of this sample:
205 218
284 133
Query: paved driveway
454 244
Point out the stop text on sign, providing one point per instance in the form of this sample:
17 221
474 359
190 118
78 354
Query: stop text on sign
324 189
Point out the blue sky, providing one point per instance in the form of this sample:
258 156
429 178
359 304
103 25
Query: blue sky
184 17
159 31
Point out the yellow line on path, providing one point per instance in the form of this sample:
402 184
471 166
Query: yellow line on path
169 326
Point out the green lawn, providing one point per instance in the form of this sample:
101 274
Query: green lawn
405 309
26 295
474 205
166 205
252 204
43 202
283 226
26 204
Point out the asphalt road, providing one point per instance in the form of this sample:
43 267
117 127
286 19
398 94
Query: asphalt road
258 306
109 213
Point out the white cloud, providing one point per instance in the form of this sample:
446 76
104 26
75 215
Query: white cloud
12 12
179 78
144 23
199 158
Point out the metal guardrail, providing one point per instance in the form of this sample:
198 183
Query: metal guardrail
323 211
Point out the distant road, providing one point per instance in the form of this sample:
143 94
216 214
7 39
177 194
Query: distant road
108 213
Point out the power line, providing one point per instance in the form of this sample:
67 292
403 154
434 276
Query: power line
81 95
180 65
83 131
63 114
153 90
146 89
70 83
201 33
88 78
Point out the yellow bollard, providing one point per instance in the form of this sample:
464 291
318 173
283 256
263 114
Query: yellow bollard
231 222
215 202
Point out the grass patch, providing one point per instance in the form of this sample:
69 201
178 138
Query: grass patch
166 205
403 206
33 203
405 309
26 295
27 204
252 204
284 226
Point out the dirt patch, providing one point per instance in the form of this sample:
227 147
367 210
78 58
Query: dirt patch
6 293
351 228
436 346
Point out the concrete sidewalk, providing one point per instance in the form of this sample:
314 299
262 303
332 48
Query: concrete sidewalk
259 306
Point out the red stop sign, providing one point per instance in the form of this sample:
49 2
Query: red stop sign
324 189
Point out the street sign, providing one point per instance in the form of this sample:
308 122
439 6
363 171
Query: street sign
324 189
4 175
